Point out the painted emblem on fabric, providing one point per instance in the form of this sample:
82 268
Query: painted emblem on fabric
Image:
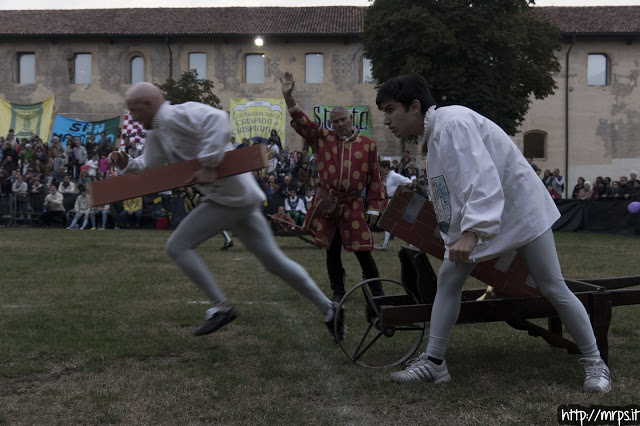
441 202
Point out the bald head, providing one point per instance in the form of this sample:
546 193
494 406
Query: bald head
144 100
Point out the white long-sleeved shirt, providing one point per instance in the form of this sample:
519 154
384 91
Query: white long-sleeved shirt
479 181
394 180
194 130
82 204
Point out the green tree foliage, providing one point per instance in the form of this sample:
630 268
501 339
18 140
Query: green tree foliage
488 55
189 88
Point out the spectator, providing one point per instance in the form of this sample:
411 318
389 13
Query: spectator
103 211
558 182
103 164
9 164
281 221
80 156
67 186
272 146
633 177
585 193
37 195
313 167
554 194
547 177
273 161
616 193
84 178
625 188
134 151
132 212
20 187
82 208
53 203
282 168
294 207
56 154
93 163
577 188
276 139
57 176
634 194
308 196
601 191
304 174
191 199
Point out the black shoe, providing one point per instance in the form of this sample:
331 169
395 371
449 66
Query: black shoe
218 320
227 245
336 317
337 297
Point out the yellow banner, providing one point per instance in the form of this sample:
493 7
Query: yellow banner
255 118
25 119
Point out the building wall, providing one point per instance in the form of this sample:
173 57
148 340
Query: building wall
104 97
604 121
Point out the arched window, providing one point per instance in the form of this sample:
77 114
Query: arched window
137 69
535 144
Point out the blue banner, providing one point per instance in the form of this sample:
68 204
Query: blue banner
65 128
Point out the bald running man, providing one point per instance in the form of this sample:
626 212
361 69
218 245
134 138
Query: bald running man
192 130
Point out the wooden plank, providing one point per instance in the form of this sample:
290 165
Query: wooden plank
164 178
412 218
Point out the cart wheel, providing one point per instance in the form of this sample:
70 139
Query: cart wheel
365 341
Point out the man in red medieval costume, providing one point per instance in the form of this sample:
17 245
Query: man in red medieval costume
347 164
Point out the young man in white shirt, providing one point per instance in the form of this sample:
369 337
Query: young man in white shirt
488 201
192 130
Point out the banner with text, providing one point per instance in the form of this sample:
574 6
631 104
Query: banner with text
255 118
25 119
65 128
359 113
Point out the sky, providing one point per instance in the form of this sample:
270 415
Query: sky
93 4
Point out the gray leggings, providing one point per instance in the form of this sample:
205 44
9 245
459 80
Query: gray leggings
544 267
249 225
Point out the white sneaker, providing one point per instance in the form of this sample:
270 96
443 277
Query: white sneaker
597 377
380 248
422 369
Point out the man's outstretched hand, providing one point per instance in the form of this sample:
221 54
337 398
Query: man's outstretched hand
288 83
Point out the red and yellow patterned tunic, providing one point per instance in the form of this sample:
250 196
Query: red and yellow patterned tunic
345 169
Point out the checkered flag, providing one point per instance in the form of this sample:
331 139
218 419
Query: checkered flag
132 130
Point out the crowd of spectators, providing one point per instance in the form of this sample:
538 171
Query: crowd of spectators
603 188
49 181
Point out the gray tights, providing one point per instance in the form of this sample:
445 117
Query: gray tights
249 225
544 267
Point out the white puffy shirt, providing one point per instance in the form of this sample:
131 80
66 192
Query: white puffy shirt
194 130
394 180
479 181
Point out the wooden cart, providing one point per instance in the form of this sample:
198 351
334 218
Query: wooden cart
406 306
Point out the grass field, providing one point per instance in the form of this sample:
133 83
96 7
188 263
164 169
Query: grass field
95 328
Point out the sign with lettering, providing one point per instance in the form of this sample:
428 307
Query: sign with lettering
360 115
253 118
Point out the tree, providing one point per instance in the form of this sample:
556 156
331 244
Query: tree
189 88
488 55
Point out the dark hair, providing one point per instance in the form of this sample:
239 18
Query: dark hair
82 188
385 164
405 89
